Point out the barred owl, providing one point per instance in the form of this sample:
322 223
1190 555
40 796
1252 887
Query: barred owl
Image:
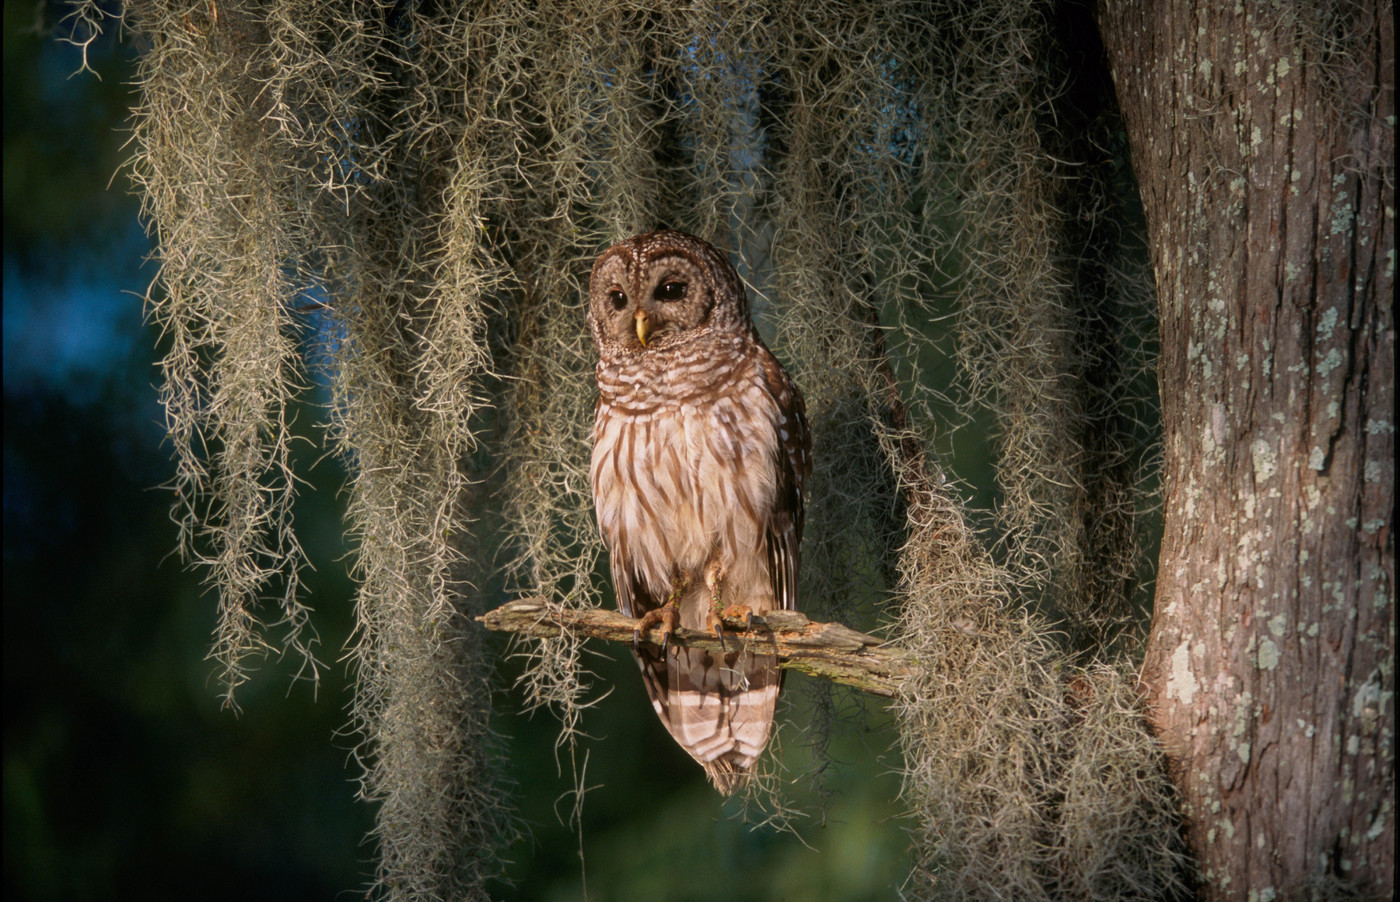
700 452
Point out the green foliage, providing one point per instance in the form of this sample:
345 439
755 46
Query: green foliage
435 180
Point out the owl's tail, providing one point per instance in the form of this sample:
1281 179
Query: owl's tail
719 707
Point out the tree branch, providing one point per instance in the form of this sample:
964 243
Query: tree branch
829 651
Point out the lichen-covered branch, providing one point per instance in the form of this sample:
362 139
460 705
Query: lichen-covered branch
826 650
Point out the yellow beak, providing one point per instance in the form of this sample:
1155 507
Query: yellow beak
643 327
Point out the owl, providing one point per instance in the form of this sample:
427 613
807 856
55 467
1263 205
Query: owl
700 453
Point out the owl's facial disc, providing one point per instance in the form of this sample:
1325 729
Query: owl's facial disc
649 298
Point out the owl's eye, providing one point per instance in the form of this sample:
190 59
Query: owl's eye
618 298
670 291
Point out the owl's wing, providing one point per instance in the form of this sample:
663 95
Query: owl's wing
633 599
793 465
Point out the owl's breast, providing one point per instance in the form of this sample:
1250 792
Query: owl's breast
676 479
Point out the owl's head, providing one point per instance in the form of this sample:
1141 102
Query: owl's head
662 290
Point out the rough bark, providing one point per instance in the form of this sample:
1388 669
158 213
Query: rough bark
827 650
1263 135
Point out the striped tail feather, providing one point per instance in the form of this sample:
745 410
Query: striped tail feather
718 707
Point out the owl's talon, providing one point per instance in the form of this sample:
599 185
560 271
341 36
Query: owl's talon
714 621
738 612
668 616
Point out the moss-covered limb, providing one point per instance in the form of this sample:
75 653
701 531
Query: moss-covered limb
826 650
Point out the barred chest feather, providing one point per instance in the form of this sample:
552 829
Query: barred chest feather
684 454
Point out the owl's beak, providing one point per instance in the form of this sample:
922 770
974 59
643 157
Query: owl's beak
643 327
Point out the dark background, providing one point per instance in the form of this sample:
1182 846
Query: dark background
123 777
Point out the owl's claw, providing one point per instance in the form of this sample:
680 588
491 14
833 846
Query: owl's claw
738 612
669 618
734 612
718 626
714 581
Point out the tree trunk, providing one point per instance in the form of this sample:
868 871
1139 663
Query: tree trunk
1263 136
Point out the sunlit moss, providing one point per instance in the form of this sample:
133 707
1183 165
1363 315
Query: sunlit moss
436 180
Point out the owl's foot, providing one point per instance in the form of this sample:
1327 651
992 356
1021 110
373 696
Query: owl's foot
678 588
738 612
714 581
715 619
668 616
